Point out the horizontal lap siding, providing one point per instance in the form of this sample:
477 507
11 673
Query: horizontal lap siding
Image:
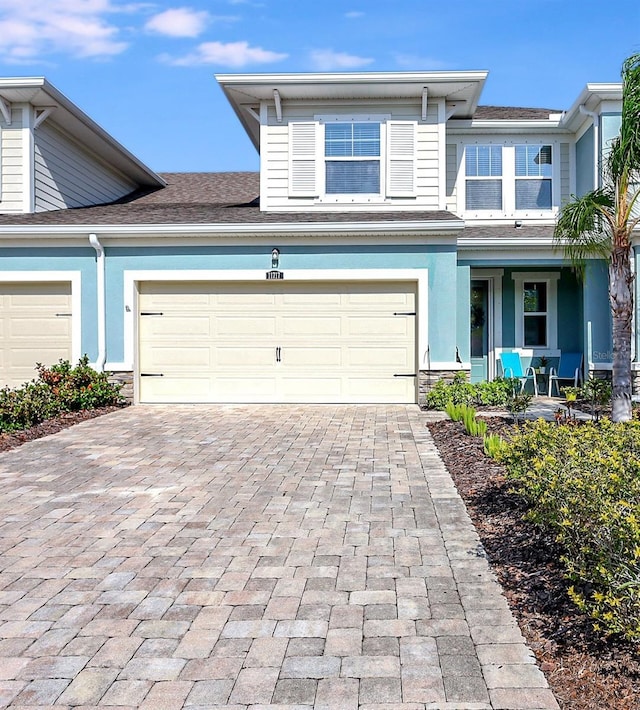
275 155
452 173
565 185
11 160
68 176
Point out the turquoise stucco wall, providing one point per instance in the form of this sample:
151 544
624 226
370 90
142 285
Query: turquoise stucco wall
597 313
78 259
585 156
570 336
439 260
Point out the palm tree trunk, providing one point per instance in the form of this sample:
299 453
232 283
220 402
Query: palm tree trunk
621 299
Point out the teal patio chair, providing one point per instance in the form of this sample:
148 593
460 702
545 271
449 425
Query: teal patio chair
512 367
569 370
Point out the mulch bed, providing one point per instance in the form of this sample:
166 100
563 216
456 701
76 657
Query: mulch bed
50 426
585 670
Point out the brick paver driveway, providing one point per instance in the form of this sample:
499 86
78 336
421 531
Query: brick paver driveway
280 557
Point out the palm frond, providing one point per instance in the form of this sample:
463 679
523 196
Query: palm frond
584 227
623 159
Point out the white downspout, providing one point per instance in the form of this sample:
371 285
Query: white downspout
100 281
596 141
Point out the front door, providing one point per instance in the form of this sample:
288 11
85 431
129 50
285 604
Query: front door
479 330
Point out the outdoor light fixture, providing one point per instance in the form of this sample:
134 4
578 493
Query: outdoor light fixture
275 258
518 224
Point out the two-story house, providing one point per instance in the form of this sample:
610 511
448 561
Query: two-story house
397 231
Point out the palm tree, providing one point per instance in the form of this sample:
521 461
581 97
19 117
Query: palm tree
600 224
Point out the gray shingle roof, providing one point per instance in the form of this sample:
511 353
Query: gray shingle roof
512 113
203 198
507 231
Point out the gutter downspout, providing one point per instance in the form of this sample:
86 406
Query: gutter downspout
100 281
596 140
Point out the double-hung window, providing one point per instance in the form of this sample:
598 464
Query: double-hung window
509 179
533 169
357 159
352 158
536 309
483 177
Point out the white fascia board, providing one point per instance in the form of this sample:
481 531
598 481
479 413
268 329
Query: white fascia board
446 227
83 128
591 97
363 78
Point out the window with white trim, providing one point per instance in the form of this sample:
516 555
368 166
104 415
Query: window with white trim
534 171
352 158
536 309
509 179
355 158
483 172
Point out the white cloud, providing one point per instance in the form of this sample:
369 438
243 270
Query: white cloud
328 60
353 14
178 22
231 54
30 29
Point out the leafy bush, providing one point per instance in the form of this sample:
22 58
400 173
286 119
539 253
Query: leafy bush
493 445
583 483
459 391
59 388
79 387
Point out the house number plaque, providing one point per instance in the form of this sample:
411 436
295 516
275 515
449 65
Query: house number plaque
274 275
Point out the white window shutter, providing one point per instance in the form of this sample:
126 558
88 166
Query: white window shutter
303 160
401 158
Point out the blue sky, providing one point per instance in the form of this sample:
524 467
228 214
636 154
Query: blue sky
144 70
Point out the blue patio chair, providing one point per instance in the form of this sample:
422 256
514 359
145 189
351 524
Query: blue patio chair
512 367
569 369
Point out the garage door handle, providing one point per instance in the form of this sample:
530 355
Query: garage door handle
151 374
401 313
63 315
152 313
414 375
278 355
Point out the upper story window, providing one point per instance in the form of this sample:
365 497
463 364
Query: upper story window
483 171
509 179
352 158
534 172
358 159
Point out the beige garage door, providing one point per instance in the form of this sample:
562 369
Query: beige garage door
277 342
35 326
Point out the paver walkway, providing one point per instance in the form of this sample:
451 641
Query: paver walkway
249 557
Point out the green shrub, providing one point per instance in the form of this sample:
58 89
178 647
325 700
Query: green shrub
583 483
21 408
497 392
493 446
59 388
79 387
459 391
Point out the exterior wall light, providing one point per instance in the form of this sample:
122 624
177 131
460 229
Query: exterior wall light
518 224
275 258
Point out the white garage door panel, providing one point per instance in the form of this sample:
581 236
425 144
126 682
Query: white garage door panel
368 358
312 356
175 389
237 325
277 342
180 357
240 357
35 326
